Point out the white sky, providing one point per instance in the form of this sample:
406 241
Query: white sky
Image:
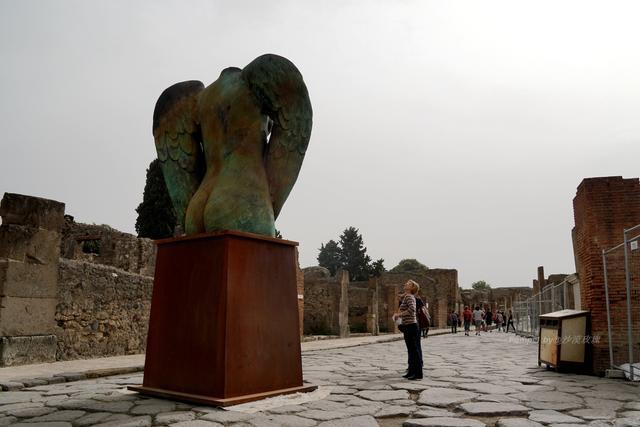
451 132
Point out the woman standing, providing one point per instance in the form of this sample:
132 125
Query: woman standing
409 328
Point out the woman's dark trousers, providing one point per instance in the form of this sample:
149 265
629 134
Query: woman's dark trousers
419 343
411 334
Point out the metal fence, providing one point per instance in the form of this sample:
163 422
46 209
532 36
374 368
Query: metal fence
526 313
621 264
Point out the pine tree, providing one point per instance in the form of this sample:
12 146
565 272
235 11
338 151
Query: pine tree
354 254
351 255
480 285
330 257
377 268
410 265
156 217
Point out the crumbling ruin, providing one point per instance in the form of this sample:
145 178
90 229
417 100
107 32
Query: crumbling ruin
69 290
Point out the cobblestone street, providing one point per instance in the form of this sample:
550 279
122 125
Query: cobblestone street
469 381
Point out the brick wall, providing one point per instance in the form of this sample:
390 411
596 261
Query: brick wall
603 208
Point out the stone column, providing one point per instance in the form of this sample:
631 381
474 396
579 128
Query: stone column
29 252
391 297
373 315
300 289
343 315
541 285
541 280
439 318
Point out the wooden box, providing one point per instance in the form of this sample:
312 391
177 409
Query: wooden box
564 340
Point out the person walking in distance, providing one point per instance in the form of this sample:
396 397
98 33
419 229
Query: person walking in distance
499 320
409 328
488 318
478 317
425 331
453 318
467 316
510 321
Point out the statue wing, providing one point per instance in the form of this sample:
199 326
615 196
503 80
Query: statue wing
279 88
176 131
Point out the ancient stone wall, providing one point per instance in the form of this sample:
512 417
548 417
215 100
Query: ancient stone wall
438 287
321 302
300 289
502 298
360 296
541 282
102 244
29 252
603 208
101 310
475 297
446 293
72 290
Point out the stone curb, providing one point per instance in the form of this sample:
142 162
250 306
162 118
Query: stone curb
20 384
400 338
383 339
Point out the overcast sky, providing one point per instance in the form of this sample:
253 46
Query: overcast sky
451 132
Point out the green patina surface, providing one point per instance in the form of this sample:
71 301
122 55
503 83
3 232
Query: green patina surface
231 152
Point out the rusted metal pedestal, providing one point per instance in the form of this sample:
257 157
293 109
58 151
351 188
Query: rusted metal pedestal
224 324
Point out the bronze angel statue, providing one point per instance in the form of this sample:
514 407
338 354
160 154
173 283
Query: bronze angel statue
231 152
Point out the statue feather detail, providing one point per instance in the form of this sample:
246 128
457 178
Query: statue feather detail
279 87
178 144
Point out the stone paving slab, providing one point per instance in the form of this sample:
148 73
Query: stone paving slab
517 422
363 421
443 422
594 414
550 416
436 396
383 395
626 422
493 408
